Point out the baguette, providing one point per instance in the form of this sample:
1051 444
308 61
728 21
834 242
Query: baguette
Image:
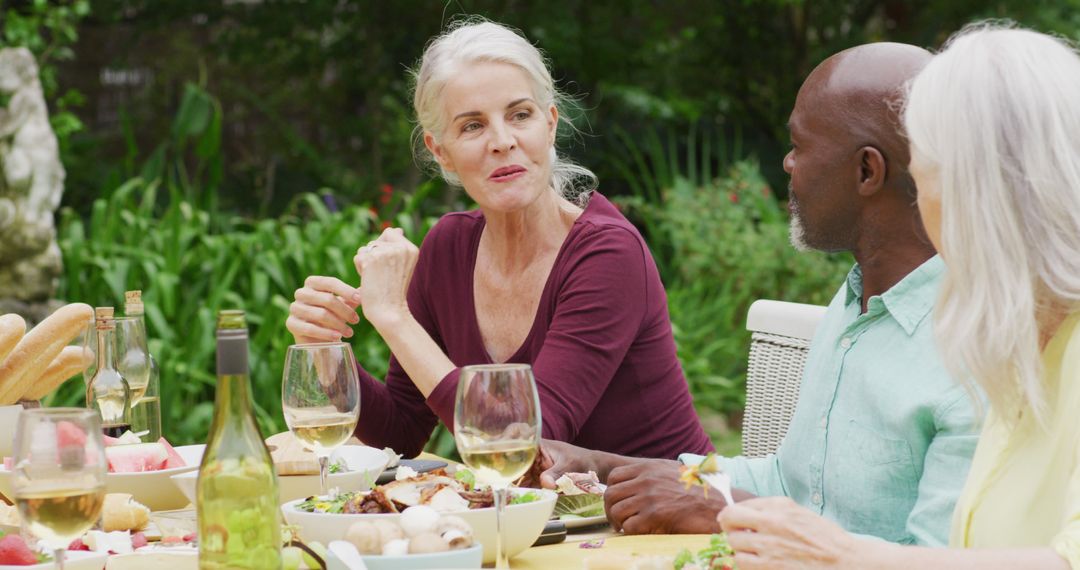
122 512
28 361
12 329
71 361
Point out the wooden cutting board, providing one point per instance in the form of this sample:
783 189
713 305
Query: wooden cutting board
291 458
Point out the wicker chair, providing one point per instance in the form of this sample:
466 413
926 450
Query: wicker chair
780 340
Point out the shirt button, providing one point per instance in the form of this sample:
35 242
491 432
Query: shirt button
816 499
845 343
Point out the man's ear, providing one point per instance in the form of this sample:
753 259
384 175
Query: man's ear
872 171
438 152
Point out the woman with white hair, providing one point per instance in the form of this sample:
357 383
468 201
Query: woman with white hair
994 126
544 272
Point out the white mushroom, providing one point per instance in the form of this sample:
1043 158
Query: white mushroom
451 522
456 539
427 543
365 537
388 531
455 531
419 520
398 547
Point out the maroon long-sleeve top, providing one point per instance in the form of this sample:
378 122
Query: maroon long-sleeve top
601 344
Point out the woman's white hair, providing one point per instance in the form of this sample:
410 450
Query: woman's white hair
995 117
475 40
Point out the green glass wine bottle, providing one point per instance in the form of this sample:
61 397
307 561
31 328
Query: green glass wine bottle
237 492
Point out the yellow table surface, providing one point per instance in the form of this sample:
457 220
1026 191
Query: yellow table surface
570 555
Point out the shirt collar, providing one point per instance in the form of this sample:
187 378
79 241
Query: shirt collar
909 300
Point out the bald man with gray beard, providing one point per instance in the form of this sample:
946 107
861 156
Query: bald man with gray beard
882 438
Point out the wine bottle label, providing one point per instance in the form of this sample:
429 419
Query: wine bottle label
232 352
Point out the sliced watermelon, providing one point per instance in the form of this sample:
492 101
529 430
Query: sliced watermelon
136 457
174 458
69 434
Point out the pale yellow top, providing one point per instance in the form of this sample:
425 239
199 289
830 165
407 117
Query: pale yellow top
1024 486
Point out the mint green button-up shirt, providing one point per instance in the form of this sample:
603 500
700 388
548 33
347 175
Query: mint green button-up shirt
882 438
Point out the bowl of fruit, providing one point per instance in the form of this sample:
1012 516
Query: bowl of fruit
140 469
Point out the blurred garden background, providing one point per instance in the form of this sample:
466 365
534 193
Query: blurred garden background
217 153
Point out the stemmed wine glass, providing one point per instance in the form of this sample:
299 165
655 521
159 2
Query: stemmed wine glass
59 474
320 396
497 430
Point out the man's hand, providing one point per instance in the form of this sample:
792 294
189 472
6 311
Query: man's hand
647 498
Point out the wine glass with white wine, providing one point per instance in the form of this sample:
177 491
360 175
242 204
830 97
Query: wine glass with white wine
320 396
59 474
497 430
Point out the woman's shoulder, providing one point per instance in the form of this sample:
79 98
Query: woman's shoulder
454 228
602 224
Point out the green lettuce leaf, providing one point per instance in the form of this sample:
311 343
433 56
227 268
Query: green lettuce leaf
579 505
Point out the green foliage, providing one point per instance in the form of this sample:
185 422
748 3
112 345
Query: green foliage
724 245
49 30
189 270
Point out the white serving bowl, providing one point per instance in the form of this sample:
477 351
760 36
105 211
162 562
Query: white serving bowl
466 558
151 488
522 524
364 465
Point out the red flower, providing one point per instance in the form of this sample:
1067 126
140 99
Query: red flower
374 212
386 224
387 192
733 197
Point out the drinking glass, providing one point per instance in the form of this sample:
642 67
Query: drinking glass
59 474
133 363
497 430
320 397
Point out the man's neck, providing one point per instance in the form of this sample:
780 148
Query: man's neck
885 266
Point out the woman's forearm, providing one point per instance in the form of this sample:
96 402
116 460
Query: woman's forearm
888 556
421 358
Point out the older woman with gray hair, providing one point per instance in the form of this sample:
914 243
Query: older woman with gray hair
994 126
544 272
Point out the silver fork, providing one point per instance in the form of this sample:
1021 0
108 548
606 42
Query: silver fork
721 482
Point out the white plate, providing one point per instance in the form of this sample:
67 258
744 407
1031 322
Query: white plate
151 488
522 523
73 560
582 522
364 465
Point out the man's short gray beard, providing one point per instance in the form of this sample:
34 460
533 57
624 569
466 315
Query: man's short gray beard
797 233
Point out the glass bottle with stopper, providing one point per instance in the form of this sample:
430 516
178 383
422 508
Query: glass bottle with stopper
108 391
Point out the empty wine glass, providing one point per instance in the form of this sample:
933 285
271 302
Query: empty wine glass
497 430
59 474
320 397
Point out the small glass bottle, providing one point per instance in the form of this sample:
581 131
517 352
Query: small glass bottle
146 408
236 492
108 391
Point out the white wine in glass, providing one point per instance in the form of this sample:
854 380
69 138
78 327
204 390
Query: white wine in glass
497 430
320 397
59 474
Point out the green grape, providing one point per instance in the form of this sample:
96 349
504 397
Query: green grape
291 557
319 549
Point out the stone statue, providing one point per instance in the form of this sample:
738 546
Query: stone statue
31 184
